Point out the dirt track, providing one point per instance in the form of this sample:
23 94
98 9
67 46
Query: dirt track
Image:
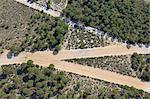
46 57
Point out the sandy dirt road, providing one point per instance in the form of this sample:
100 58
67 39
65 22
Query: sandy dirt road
45 58
112 50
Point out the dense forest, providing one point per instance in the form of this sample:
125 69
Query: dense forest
31 81
27 80
127 20
49 34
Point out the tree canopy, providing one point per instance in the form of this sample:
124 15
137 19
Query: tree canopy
125 19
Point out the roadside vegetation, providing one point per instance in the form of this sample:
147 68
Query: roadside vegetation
135 65
80 39
141 65
1 51
49 34
81 87
27 80
127 20
119 64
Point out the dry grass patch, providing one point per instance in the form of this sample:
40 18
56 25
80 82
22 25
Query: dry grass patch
13 23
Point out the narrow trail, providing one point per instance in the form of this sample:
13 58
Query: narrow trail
45 58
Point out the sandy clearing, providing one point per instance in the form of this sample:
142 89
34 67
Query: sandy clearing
45 58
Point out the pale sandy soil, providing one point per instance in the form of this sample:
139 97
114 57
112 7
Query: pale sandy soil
45 58
147 0
112 50
37 7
